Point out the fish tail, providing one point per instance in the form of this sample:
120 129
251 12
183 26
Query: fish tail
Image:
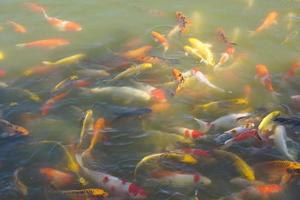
204 126
21 45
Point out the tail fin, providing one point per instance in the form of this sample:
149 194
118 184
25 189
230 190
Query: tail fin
204 126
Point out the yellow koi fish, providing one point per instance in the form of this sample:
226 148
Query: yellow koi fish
266 121
66 61
134 70
214 105
88 121
63 83
244 169
1 55
204 50
84 193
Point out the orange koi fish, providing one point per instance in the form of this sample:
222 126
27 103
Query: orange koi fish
137 53
56 177
17 27
259 192
262 73
268 22
47 43
291 73
8 129
182 25
50 103
178 76
61 25
225 56
161 39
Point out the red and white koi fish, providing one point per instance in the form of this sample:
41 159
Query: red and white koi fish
231 133
17 27
262 73
202 79
115 186
245 135
179 178
225 56
61 25
224 122
190 134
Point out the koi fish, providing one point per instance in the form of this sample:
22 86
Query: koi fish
190 134
226 104
231 133
245 135
49 104
137 53
182 25
262 73
17 27
291 73
225 122
154 158
48 43
222 36
88 121
97 137
63 83
2 55
266 121
161 39
192 51
225 57
179 178
84 194
178 76
123 94
112 184
196 152
244 169
22 188
56 177
32 96
66 61
270 20
258 192
202 79
204 50
134 70
279 137
38 70
61 25
8 129
71 82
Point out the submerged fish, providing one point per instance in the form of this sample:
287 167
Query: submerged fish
66 61
57 178
137 53
115 186
47 43
161 39
270 20
262 73
266 121
84 193
88 121
204 50
21 187
8 129
134 70
50 103
17 27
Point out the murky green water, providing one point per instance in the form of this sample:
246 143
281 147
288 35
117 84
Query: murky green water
108 27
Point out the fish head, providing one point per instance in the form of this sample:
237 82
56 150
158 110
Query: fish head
261 70
201 180
21 130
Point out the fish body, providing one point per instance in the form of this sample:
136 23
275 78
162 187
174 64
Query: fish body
57 178
193 51
291 73
22 188
266 121
245 135
225 57
190 134
154 158
112 184
202 79
85 193
137 53
47 43
8 129
180 179
279 139
244 169
2 55
270 20
262 73
66 61
49 104
204 50
161 39
97 136
134 70
88 121
178 76
17 27
126 94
